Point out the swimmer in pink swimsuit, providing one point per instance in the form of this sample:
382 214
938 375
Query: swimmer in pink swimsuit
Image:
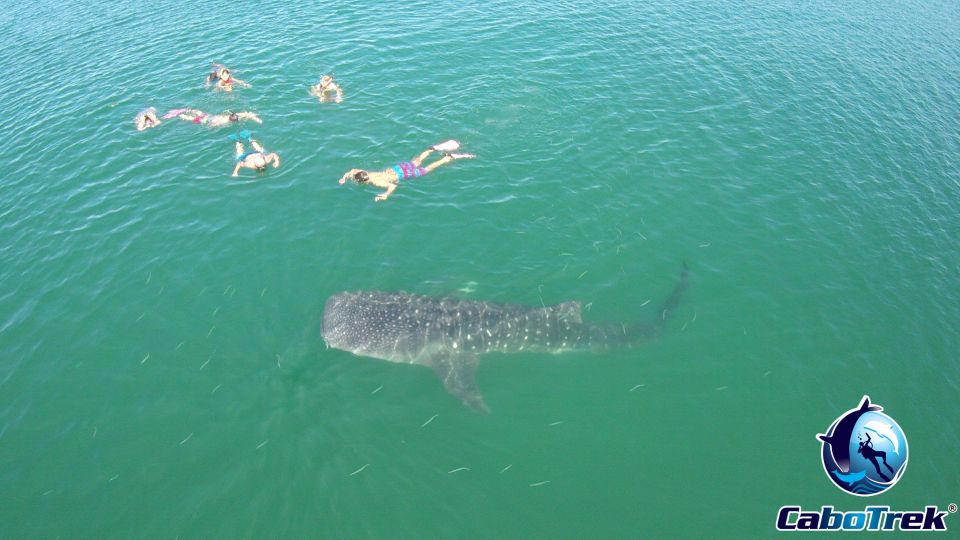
223 79
213 120
390 178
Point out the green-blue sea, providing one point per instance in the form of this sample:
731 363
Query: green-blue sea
162 372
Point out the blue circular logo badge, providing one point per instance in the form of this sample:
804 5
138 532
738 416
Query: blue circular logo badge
864 451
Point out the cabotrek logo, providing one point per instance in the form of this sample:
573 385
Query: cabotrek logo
864 453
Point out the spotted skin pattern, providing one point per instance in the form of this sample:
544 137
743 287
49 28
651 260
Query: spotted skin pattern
449 334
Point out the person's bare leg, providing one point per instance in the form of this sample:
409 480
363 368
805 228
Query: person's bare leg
238 146
190 114
256 146
438 163
423 155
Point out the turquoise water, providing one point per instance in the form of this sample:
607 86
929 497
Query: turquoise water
161 369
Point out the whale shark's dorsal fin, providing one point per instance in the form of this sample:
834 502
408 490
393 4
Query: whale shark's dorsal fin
568 311
457 372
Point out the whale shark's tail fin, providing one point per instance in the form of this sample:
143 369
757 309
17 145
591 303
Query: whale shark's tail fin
670 304
641 331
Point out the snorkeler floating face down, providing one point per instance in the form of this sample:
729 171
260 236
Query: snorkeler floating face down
390 178
199 117
257 159
146 119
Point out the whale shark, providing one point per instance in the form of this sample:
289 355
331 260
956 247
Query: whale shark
449 335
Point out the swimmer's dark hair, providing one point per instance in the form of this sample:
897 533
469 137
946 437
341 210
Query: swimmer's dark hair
361 177
234 117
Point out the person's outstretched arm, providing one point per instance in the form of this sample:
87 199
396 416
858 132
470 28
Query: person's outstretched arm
236 169
383 196
250 116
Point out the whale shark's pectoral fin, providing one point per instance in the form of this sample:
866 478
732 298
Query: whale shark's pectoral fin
458 371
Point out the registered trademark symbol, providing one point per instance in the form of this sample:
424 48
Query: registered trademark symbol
952 508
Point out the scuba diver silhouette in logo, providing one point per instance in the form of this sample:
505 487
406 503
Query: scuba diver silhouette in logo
866 449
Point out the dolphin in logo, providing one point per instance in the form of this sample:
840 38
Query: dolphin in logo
839 436
449 335
884 431
851 478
